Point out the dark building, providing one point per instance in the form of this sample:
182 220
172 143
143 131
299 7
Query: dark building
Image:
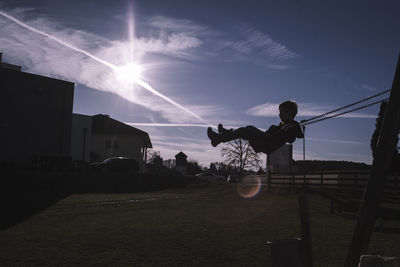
7 65
181 162
180 159
35 117
81 137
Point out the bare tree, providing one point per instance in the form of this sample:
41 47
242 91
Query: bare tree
154 157
239 153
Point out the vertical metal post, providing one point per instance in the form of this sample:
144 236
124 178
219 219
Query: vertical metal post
306 248
304 143
379 171
304 153
268 171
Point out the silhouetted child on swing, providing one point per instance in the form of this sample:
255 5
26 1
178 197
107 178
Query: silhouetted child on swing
276 136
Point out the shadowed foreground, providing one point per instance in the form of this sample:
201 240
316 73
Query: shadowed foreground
198 226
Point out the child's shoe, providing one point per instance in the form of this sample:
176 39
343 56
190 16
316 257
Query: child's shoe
221 129
214 137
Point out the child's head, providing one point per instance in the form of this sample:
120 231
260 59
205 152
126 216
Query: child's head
287 110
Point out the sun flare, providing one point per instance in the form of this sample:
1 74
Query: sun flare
130 72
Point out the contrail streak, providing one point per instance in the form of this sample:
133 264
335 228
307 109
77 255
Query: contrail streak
149 124
140 82
26 26
156 124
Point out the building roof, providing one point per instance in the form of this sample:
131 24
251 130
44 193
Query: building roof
7 65
181 155
15 70
103 124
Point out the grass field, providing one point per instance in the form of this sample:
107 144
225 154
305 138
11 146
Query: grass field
202 225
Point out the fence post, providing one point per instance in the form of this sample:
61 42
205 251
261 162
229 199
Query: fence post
268 171
269 178
322 179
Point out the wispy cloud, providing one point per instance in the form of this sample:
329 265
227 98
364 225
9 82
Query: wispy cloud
334 141
243 43
177 25
55 51
166 36
149 124
254 42
369 88
177 125
304 110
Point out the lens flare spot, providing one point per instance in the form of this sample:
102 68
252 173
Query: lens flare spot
249 189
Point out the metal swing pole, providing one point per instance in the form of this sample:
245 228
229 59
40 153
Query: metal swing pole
380 168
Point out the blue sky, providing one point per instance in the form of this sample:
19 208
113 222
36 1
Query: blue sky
214 61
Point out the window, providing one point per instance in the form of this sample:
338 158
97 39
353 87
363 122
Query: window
116 144
107 144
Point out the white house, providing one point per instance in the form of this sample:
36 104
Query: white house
112 138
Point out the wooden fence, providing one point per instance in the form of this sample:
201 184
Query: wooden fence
353 179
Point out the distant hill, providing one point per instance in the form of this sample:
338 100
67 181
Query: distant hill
329 165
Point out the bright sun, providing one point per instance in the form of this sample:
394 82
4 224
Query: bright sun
129 72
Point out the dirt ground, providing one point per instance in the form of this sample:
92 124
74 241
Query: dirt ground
202 225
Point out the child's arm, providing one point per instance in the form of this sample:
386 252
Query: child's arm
273 129
277 136
292 130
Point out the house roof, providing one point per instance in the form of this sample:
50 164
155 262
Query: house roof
7 65
181 155
103 124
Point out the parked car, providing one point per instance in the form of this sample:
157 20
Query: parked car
232 179
116 164
210 176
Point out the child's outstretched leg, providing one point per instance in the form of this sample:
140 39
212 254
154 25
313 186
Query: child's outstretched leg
222 137
214 137
247 133
221 129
